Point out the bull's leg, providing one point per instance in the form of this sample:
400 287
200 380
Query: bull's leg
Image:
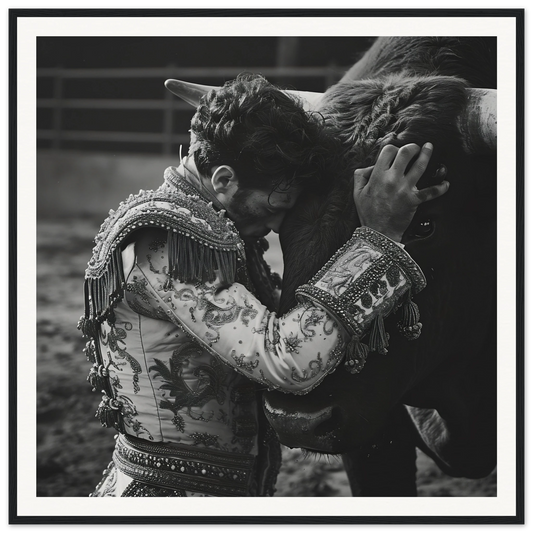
387 468
461 437
460 453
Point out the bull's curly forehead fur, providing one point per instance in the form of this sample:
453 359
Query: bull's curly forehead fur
397 109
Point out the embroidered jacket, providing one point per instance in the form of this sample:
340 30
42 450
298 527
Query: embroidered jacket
171 312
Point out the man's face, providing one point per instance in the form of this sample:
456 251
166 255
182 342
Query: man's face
257 212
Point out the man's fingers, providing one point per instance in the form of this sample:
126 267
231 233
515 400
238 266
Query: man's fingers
386 158
430 193
360 177
420 165
404 157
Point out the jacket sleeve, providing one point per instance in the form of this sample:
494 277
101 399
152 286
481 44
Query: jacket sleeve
368 277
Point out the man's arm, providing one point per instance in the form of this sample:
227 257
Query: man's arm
367 278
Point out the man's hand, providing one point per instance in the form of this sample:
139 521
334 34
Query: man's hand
386 196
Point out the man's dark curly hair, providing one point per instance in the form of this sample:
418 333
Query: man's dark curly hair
263 133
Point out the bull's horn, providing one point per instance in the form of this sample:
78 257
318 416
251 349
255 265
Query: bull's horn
192 92
310 100
478 122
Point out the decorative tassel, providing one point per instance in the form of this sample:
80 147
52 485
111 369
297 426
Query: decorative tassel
171 250
111 317
108 412
410 326
191 261
379 338
119 271
227 266
90 298
90 351
207 264
356 355
97 377
87 303
88 327
201 261
93 377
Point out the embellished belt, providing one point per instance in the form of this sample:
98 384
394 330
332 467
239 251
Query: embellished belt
183 467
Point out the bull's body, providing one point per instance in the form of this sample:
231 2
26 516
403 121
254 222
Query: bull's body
438 392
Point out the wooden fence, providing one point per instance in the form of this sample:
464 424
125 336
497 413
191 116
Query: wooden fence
59 101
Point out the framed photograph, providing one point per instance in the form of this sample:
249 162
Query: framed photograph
438 431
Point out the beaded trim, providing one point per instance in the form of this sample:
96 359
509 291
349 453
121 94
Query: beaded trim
136 489
201 242
168 207
182 467
344 308
390 249
164 208
394 252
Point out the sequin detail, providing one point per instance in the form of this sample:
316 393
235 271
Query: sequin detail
136 489
183 468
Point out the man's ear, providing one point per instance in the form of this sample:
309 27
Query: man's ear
224 179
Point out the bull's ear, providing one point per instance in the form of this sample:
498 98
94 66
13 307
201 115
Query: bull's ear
190 92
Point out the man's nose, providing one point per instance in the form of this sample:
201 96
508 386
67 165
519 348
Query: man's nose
275 222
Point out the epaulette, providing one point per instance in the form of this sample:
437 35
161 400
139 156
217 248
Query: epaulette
202 243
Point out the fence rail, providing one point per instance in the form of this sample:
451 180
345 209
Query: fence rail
55 135
190 72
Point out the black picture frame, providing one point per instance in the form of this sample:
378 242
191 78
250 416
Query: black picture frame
20 23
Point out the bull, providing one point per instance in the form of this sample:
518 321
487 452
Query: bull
437 393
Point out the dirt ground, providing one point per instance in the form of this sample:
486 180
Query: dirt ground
72 447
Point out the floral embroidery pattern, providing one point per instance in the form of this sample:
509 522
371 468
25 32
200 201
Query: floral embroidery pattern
115 382
209 385
311 318
128 412
262 329
140 288
151 312
315 367
249 367
346 270
206 439
115 339
178 421
218 311
152 268
292 343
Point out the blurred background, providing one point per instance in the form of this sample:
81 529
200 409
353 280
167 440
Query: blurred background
107 127
107 123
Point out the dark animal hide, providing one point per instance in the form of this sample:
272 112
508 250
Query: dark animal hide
439 392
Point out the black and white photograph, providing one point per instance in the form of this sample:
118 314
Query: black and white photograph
266 255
